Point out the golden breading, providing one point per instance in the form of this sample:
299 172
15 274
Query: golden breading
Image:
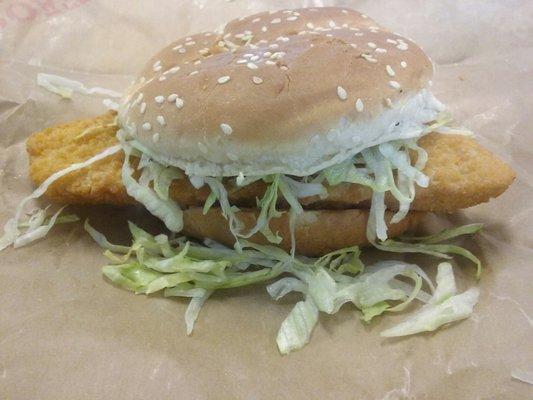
57 147
317 232
462 172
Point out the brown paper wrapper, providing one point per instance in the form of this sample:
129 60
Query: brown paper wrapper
66 333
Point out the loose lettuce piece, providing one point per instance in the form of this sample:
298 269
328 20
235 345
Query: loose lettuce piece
435 250
132 276
446 234
195 305
166 210
296 329
444 307
284 286
373 311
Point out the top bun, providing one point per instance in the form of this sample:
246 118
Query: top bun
290 92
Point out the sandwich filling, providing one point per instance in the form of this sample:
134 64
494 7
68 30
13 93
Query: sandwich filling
380 158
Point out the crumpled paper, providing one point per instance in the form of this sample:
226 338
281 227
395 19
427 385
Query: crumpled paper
66 333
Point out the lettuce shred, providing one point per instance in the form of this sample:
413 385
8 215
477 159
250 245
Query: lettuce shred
180 268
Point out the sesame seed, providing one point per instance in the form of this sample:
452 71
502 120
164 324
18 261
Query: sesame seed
155 137
251 65
254 58
143 108
402 46
388 102
182 50
403 64
193 73
394 84
380 50
329 35
256 20
159 99
226 129
292 18
162 78
358 34
310 25
369 58
241 61
341 92
197 62
179 46
331 24
264 29
284 68
359 106
274 46
257 80
161 120
158 68
203 51
172 97
275 21
392 41
172 70
223 79
353 45
188 38
270 62
344 12
372 45
190 43
147 126
364 16
208 34
390 71
247 32
267 54
179 103
277 55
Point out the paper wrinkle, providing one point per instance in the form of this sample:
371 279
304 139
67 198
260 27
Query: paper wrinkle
85 331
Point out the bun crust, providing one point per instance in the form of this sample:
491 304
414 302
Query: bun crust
317 232
287 92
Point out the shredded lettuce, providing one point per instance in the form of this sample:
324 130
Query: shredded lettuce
296 329
34 226
178 268
166 210
444 307
431 245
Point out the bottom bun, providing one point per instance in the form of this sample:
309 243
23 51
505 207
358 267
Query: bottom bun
317 232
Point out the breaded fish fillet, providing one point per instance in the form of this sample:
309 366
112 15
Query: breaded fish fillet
462 173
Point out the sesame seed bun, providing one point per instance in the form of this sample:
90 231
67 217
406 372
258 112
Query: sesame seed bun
288 92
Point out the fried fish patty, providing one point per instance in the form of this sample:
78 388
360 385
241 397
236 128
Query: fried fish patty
462 173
